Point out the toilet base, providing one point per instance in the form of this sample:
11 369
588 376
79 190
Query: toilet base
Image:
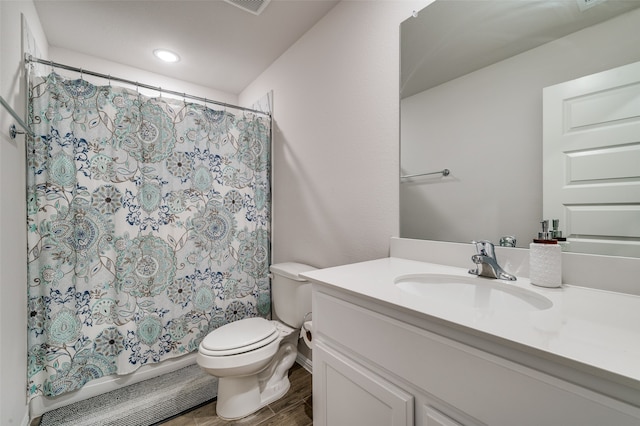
239 397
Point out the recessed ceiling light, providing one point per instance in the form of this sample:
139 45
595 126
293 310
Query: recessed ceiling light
166 55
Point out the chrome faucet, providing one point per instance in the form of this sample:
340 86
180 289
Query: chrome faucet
485 258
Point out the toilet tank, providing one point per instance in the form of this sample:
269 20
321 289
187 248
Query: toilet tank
290 293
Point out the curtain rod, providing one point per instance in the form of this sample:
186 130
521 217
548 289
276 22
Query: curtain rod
12 129
29 58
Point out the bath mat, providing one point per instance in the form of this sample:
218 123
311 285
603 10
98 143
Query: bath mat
141 404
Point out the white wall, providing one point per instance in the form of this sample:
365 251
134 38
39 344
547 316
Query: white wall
487 128
336 132
13 260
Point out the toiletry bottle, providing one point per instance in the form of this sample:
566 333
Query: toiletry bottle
545 259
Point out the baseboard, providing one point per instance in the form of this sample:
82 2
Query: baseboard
305 362
26 420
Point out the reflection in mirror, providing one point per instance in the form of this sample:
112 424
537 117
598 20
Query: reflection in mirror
591 160
472 77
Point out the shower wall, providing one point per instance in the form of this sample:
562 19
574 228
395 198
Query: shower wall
13 261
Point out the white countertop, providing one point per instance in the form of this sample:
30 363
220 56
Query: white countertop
595 328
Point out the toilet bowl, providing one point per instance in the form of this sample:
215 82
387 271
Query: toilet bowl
243 355
251 357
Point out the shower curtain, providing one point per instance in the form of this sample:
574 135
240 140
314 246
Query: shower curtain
148 226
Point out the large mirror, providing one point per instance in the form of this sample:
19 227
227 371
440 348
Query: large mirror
472 77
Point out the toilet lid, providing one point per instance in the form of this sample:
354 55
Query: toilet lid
246 334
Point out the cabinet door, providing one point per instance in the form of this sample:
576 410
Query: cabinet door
347 394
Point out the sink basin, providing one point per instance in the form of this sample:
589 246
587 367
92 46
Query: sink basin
472 292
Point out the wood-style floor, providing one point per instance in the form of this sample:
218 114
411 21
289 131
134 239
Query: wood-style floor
293 409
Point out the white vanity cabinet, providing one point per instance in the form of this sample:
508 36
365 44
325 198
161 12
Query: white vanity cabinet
378 364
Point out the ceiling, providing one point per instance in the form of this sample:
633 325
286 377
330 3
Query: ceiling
220 45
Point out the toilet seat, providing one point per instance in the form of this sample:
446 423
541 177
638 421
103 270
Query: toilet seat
240 336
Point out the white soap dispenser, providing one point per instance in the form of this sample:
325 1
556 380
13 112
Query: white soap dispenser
545 259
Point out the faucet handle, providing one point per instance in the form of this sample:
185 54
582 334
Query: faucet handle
508 241
484 247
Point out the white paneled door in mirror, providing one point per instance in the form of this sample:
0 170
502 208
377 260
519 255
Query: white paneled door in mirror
591 160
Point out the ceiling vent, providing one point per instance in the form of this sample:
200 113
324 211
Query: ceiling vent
254 6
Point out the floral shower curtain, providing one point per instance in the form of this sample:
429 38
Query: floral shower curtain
148 226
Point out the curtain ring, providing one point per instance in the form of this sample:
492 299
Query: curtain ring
81 76
184 98
51 63
160 90
109 80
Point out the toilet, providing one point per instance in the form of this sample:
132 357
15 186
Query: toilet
251 357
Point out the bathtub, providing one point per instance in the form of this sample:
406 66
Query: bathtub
42 404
